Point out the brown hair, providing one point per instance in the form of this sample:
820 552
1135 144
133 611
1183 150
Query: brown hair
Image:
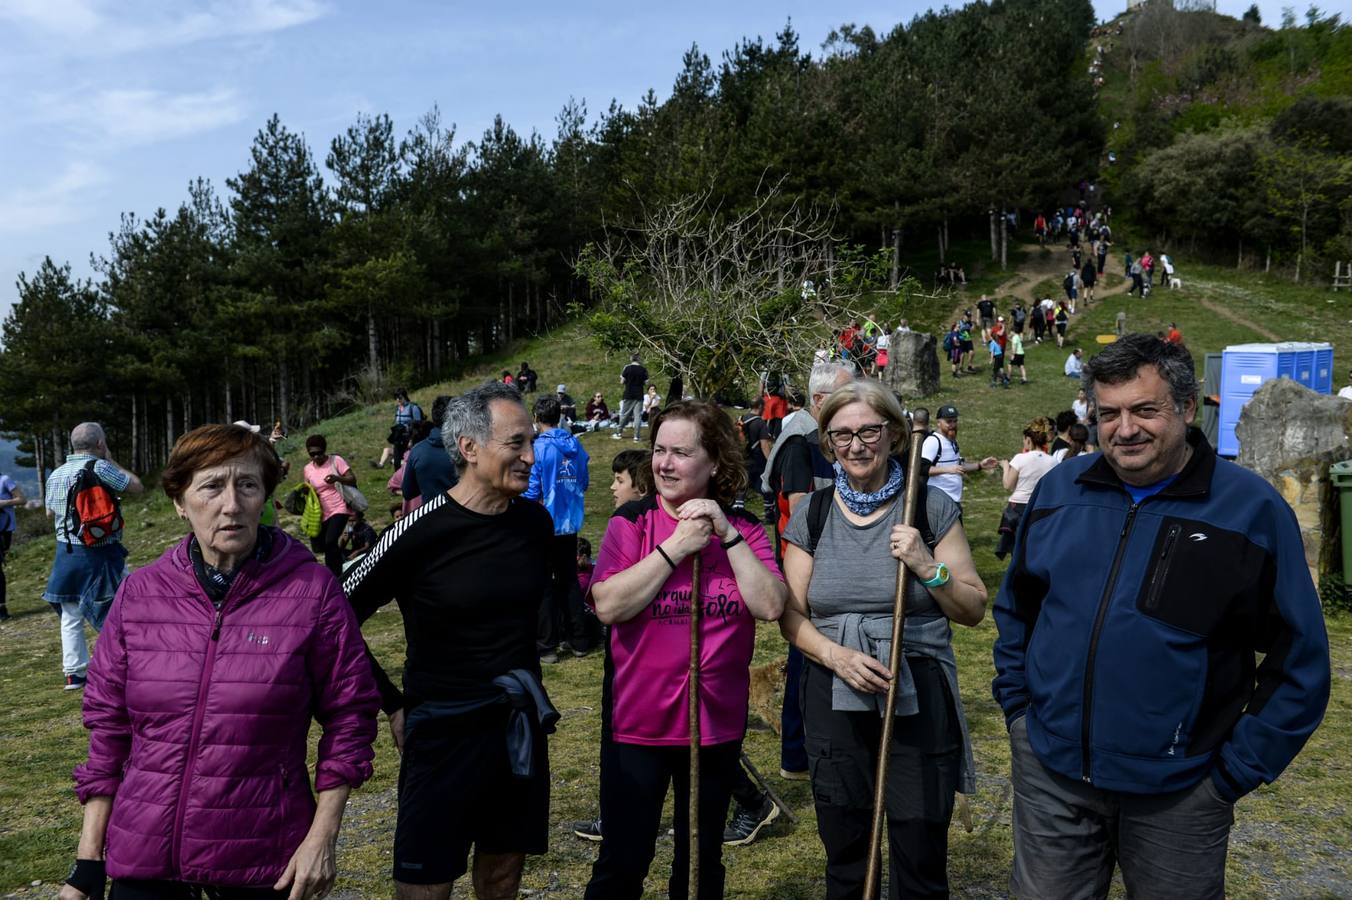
212 445
880 400
1040 431
719 440
639 465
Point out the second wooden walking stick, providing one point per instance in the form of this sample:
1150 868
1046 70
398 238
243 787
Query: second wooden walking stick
913 495
696 613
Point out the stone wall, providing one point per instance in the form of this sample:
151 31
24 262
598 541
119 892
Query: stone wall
1290 435
913 364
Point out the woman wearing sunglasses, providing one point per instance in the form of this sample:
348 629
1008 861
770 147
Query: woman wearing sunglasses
841 569
324 473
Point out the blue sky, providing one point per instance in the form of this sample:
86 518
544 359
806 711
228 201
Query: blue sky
109 106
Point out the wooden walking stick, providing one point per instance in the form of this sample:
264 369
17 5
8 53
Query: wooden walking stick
696 614
913 495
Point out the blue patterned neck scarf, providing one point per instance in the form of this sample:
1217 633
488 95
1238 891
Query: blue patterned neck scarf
861 503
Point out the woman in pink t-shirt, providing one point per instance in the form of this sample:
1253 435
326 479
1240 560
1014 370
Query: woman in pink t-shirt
323 472
642 588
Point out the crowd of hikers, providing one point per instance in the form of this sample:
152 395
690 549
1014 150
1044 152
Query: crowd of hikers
214 661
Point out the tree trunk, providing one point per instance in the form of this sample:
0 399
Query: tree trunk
372 341
995 239
1267 266
283 389
1004 238
42 473
168 426
896 255
511 311
942 260
229 406
135 437
946 243
1239 263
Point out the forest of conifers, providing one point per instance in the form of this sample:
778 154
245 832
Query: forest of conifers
392 253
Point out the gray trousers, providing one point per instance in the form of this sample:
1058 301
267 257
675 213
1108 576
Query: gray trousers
632 411
1068 836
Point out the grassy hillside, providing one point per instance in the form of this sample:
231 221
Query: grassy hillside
1290 839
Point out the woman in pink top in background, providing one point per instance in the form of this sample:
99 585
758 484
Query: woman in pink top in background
642 589
323 472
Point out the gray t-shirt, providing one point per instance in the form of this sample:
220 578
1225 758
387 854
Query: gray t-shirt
853 570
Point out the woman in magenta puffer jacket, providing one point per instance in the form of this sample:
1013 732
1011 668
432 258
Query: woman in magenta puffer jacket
213 663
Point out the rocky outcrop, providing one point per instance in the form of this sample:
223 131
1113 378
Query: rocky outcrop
913 364
1290 435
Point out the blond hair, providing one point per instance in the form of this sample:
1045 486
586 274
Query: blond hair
877 398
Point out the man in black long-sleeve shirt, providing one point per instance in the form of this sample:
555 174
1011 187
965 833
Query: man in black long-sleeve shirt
468 569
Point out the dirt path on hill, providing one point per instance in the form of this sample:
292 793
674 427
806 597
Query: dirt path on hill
1040 267
1238 319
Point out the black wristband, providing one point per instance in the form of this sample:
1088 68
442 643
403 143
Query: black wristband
667 558
732 543
88 876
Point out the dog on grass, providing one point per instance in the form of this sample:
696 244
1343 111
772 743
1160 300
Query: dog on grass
1175 282
767 693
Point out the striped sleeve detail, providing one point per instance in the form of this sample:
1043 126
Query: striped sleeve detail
371 560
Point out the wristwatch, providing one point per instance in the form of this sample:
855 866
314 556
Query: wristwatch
940 577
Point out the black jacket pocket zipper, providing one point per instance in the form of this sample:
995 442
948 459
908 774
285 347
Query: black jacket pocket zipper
1161 574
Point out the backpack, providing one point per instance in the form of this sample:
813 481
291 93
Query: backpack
92 509
948 342
819 507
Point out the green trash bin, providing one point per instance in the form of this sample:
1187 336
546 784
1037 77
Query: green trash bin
1340 473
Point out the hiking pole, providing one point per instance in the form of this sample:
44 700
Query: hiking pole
764 785
913 496
696 614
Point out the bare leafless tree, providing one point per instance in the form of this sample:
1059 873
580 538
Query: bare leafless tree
721 297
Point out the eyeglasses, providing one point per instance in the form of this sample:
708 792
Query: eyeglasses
842 438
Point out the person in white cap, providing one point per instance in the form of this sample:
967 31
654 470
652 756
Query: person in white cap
567 406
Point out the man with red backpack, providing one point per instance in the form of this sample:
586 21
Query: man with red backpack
90 559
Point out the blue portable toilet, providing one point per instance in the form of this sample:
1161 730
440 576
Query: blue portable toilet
1247 367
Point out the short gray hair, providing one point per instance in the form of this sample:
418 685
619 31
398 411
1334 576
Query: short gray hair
468 416
1120 361
87 436
824 377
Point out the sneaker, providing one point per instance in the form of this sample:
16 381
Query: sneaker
4 614
795 775
617 436
74 682
549 657
747 823
589 830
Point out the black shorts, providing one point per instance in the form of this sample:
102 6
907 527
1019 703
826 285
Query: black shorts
1016 359
456 790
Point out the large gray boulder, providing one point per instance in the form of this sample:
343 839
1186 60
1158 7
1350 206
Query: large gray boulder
1290 435
913 364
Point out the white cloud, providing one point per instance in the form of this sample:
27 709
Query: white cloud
103 27
66 198
129 117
